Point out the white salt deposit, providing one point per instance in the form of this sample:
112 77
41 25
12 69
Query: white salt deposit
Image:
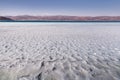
59 51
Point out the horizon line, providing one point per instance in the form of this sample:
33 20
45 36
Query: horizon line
68 15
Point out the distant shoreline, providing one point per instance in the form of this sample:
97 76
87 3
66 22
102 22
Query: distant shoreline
49 21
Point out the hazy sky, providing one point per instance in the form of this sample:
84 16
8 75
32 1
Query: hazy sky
60 7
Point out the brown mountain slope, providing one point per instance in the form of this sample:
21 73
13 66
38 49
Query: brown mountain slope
4 18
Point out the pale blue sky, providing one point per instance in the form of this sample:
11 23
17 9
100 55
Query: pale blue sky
60 7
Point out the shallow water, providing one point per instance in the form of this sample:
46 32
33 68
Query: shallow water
59 51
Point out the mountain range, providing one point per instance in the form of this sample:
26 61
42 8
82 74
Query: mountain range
61 18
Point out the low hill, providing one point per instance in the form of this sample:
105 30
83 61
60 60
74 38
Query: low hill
4 18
